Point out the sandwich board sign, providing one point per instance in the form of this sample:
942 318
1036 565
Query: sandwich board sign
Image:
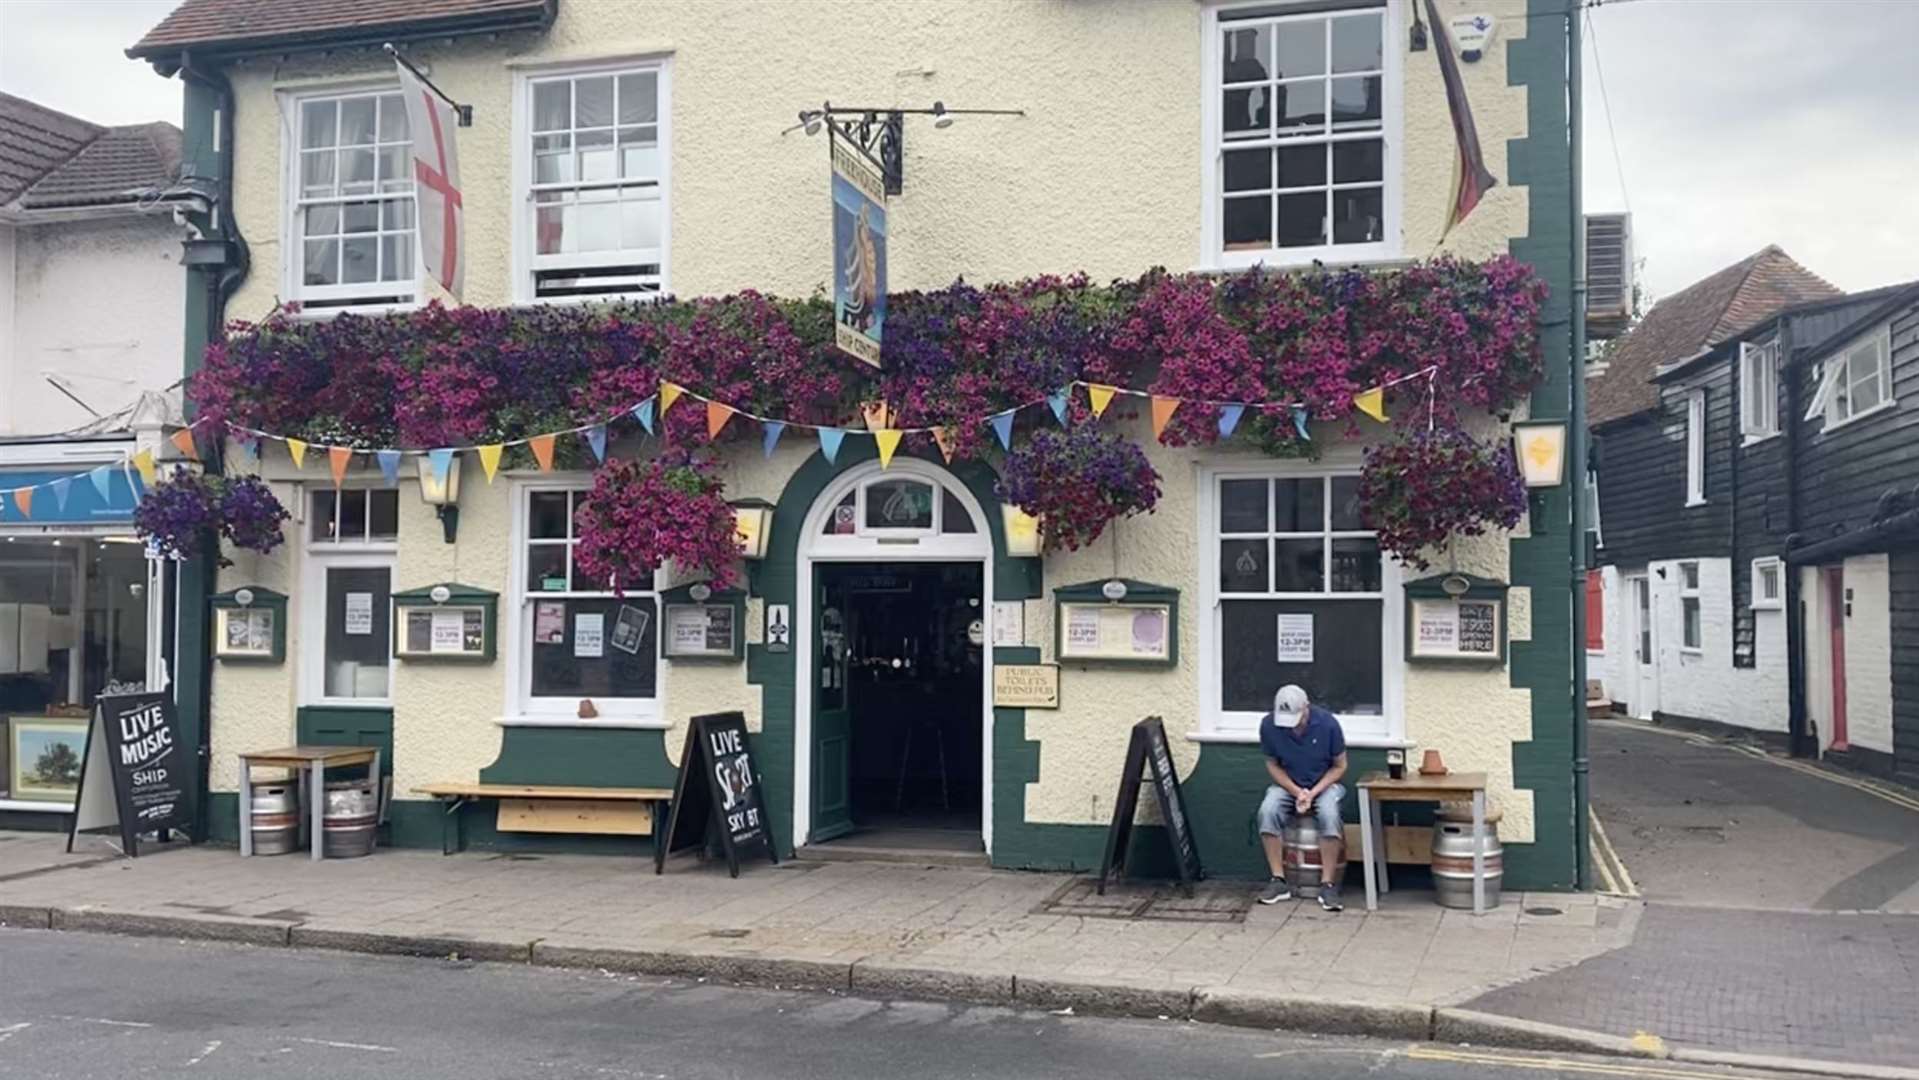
135 772
1149 757
716 800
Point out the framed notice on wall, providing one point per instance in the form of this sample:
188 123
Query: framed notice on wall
1117 622
1463 620
444 622
709 628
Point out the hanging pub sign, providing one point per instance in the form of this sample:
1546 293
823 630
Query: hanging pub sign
135 770
1148 754
859 251
718 790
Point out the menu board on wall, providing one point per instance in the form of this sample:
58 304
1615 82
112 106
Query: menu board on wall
1134 632
700 630
442 631
1456 629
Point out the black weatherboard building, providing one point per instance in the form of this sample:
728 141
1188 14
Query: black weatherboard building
1758 549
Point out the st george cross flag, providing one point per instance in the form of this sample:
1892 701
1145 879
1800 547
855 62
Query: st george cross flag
431 121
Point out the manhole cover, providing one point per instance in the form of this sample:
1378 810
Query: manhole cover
1211 901
1544 911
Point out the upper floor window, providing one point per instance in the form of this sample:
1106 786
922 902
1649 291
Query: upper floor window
594 183
1691 621
1759 390
1857 381
351 240
1696 448
1300 143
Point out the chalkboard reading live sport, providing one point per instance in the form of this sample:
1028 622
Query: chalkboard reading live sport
719 786
1148 753
135 772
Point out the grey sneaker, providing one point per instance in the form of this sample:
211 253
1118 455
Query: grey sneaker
1276 890
1329 898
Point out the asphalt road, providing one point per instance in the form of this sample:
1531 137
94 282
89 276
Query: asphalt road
76 1006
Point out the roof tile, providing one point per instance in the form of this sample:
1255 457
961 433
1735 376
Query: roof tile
229 22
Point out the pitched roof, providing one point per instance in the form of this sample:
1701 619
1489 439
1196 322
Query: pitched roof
1706 313
51 160
227 24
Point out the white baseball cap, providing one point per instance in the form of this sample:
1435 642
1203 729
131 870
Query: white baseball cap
1288 704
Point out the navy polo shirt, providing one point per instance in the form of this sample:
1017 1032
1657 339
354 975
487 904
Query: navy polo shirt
1305 755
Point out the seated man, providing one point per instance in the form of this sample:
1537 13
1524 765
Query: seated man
1305 756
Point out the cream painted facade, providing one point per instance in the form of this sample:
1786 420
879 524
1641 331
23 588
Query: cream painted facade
1105 174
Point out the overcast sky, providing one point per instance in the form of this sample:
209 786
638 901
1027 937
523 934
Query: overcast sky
1740 122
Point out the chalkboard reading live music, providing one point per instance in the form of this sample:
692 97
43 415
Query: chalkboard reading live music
1148 752
719 787
135 772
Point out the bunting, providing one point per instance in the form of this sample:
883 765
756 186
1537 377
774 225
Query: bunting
183 439
1100 396
1229 419
143 461
490 459
298 449
338 458
389 466
1057 401
60 488
1300 417
946 440
23 500
716 417
542 447
877 415
1163 409
102 478
888 440
1003 427
442 462
830 439
596 441
1372 402
643 412
669 393
770 436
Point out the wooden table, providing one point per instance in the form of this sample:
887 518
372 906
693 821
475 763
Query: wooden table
314 761
1377 787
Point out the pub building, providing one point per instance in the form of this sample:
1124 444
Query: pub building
918 670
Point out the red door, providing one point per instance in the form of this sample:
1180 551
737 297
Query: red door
1836 626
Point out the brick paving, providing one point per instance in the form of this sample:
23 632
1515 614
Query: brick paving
1835 986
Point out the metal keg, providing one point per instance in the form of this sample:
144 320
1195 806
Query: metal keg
1453 859
1301 857
276 818
351 814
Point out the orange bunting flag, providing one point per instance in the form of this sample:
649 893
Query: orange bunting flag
889 441
716 417
1372 403
339 457
542 446
143 461
1163 409
298 449
943 435
1100 396
183 439
877 416
669 393
23 499
490 460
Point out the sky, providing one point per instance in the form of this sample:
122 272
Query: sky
1734 123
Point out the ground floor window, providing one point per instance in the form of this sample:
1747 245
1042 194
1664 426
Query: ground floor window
577 638
1692 622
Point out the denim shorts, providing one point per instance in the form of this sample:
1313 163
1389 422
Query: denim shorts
1278 808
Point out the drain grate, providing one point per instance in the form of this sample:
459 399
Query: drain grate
1211 902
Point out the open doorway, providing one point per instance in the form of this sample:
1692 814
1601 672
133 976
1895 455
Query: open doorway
897 706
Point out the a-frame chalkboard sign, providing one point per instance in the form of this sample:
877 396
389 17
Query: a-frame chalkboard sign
135 771
1148 753
719 788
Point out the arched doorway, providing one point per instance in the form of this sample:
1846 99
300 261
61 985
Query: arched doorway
892 698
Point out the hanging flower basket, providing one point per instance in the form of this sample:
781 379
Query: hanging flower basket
1077 482
643 514
188 513
1422 489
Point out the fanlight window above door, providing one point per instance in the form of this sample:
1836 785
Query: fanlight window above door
899 507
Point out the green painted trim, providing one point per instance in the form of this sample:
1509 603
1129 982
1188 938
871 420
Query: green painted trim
1138 594
347 725
263 597
581 757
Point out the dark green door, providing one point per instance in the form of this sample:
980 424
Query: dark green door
832 713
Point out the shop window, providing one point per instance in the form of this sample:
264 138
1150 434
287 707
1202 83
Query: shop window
1301 595
595 178
1302 144
352 228
577 638
1692 623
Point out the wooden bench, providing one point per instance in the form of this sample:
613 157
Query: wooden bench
537 808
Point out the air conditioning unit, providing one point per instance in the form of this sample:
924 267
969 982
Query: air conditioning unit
1609 269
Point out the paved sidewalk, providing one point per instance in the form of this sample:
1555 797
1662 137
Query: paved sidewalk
974 930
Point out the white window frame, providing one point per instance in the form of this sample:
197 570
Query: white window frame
1696 448
1691 594
324 555
1592 508
1760 601
1758 391
1213 254
526 261
1837 373
1219 725
363 297
522 709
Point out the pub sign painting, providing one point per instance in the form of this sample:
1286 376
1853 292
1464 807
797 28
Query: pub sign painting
859 253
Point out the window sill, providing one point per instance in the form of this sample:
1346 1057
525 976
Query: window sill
1685 651
35 806
325 314
1690 503
1772 606
1292 259
1754 440
1835 425
1251 738
616 723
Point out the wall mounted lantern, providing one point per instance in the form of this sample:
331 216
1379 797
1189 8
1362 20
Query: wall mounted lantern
1541 449
442 493
753 520
1022 531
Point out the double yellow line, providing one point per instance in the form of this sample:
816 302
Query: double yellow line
1650 1071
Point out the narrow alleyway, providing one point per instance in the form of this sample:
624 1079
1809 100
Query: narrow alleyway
1782 906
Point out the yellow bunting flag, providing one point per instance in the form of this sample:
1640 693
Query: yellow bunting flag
143 461
297 448
943 435
490 459
877 416
1100 396
23 498
669 393
716 417
1372 403
1163 409
889 441
338 458
183 439
542 446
